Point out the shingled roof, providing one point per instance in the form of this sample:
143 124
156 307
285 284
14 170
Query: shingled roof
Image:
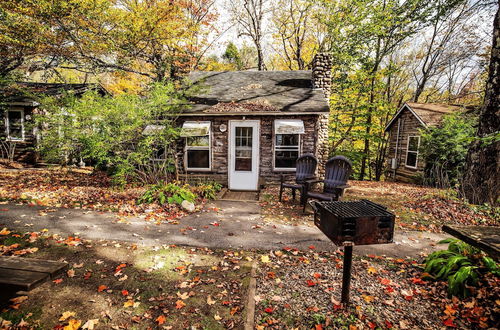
253 92
428 114
21 91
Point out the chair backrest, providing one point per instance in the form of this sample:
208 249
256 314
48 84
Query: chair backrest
305 168
337 172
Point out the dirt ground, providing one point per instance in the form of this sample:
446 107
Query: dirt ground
121 286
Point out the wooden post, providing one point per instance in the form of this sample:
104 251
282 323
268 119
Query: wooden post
346 276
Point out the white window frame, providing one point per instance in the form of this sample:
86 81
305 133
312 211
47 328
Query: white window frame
209 148
280 148
415 152
7 125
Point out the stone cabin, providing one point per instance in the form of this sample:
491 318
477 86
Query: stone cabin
17 106
247 128
404 163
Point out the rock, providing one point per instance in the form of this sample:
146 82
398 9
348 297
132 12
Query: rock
188 206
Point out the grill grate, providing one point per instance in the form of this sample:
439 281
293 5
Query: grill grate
355 209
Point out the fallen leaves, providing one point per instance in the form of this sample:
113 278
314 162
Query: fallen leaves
210 301
179 304
66 315
101 288
4 232
73 325
90 324
265 259
161 319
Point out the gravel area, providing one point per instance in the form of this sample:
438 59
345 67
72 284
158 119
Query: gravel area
301 290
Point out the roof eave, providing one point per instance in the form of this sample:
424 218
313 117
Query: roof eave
389 125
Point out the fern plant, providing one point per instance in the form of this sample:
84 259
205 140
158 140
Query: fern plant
461 265
170 193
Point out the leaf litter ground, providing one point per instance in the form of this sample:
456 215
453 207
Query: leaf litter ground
302 290
415 207
119 286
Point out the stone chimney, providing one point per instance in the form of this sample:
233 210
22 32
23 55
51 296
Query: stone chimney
322 72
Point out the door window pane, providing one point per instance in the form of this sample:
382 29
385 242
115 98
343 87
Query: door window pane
243 149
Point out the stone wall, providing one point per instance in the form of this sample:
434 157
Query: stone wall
322 72
314 140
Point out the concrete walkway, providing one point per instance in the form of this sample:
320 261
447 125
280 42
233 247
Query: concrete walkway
236 225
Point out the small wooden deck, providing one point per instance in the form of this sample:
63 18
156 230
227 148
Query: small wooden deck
25 274
246 196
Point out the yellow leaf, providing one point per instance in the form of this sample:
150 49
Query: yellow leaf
368 299
371 270
210 301
217 317
71 273
183 296
73 325
66 315
265 259
128 303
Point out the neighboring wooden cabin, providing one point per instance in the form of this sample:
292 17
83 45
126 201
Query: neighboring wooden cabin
246 128
17 108
404 163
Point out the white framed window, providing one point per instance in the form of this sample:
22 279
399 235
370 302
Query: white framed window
198 150
14 124
412 151
286 151
287 143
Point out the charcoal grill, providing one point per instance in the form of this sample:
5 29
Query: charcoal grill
350 223
361 222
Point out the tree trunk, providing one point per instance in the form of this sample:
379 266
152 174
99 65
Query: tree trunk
482 171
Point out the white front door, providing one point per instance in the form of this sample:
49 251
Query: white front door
244 154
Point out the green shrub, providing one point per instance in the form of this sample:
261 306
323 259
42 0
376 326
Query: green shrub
461 265
208 190
444 150
170 193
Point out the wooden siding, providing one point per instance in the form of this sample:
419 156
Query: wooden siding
410 126
312 141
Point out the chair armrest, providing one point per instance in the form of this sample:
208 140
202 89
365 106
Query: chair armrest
313 181
343 186
282 178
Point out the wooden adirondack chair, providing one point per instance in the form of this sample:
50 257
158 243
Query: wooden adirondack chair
337 172
305 170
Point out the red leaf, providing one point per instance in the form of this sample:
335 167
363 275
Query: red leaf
269 310
124 292
58 281
101 288
449 323
372 325
318 327
388 324
317 275
385 281
312 247
310 283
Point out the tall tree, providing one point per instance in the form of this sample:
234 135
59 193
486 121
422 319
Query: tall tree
452 40
249 16
482 173
293 24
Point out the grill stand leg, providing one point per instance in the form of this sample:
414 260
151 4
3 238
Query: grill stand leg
346 276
